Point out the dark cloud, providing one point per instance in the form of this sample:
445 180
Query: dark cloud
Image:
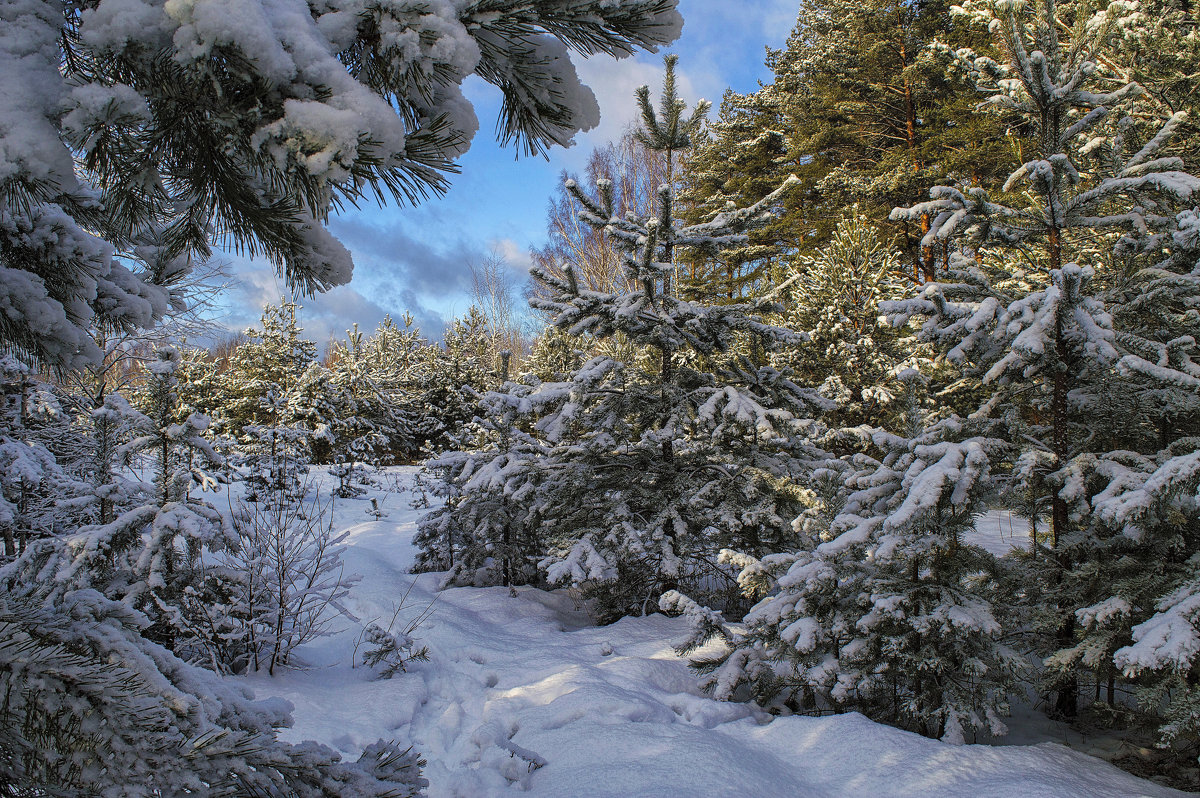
324 316
389 258
431 323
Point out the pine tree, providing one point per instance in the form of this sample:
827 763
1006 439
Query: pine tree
1029 306
368 426
180 452
740 156
863 111
201 385
1140 581
273 456
1159 49
849 350
155 555
267 362
487 532
251 398
459 370
707 432
886 611
398 365
315 405
669 133
556 354
39 496
876 603
111 713
635 172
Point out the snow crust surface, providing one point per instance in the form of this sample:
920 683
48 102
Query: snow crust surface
521 694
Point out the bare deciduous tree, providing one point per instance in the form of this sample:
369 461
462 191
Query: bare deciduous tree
635 172
293 578
494 292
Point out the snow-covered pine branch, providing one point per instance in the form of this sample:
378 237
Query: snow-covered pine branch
135 133
92 705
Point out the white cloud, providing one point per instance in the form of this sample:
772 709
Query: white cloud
614 84
515 256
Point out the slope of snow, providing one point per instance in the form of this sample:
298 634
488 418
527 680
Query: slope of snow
521 694
999 532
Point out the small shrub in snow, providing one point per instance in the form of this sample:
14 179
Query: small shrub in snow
377 512
291 575
389 650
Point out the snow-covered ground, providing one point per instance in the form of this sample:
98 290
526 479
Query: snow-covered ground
999 531
522 694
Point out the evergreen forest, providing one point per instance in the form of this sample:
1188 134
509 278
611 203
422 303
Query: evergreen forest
866 397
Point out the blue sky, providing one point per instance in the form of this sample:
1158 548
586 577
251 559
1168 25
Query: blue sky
415 258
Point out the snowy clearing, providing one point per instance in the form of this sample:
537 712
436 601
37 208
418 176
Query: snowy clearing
999 532
521 694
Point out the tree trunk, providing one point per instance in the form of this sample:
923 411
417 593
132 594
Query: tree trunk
164 454
1067 704
928 265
